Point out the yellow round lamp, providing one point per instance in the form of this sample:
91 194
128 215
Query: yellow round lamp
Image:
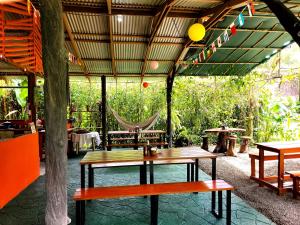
196 32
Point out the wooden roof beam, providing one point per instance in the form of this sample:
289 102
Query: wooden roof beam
73 43
147 11
112 49
161 15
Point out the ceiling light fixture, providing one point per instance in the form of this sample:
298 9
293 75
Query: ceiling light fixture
119 18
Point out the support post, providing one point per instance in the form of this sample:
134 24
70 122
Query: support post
170 81
31 100
286 17
55 73
103 116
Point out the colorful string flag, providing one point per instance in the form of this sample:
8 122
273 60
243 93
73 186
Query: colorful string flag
251 8
202 55
226 36
219 40
213 47
233 29
241 20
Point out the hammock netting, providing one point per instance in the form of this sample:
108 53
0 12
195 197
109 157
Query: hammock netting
145 125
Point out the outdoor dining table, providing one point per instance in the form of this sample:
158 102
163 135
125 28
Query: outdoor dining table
105 157
222 133
281 148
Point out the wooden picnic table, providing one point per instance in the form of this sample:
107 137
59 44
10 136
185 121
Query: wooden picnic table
105 157
281 148
222 133
135 137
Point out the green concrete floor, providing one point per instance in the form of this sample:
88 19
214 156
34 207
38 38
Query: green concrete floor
28 207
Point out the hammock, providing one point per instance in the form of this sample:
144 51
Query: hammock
147 124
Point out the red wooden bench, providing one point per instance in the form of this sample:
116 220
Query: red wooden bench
269 157
154 190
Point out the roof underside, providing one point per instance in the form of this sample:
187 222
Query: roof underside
156 30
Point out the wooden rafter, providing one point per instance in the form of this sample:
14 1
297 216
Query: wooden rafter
161 15
73 43
112 49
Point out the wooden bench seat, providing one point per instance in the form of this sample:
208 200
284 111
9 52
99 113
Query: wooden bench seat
268 156
154 190
295 175
122 139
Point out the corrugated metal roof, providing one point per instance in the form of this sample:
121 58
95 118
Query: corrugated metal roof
197 3
129 51
86 2
94 50
164 52
139 2
98 66
175 27
134 25
129 67
88 23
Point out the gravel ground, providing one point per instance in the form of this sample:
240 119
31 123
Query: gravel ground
282 210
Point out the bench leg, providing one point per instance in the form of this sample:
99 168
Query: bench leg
82 176
219 213
188 172
80 212
151 172
154 209
228 207
295 187
252 167
90 176
143 174
196 170
192 172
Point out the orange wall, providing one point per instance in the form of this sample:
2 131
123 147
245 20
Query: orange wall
19 165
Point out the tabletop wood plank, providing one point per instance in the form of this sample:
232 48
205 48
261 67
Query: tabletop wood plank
283 146
137 155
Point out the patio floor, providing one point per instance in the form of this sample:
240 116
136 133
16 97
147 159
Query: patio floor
28 207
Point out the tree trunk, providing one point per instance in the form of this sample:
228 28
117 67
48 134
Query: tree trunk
54 62
286 17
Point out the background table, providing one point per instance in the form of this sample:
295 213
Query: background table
85 140
280 148
222 133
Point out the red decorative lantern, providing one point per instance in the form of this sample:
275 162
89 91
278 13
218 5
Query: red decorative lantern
145 84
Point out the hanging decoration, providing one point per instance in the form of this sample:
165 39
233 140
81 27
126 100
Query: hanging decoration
224 37
145 84
154 65
233 29
196 32
251 8
72 58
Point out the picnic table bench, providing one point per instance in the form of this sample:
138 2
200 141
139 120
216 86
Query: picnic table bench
154 190
135 139
295 175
